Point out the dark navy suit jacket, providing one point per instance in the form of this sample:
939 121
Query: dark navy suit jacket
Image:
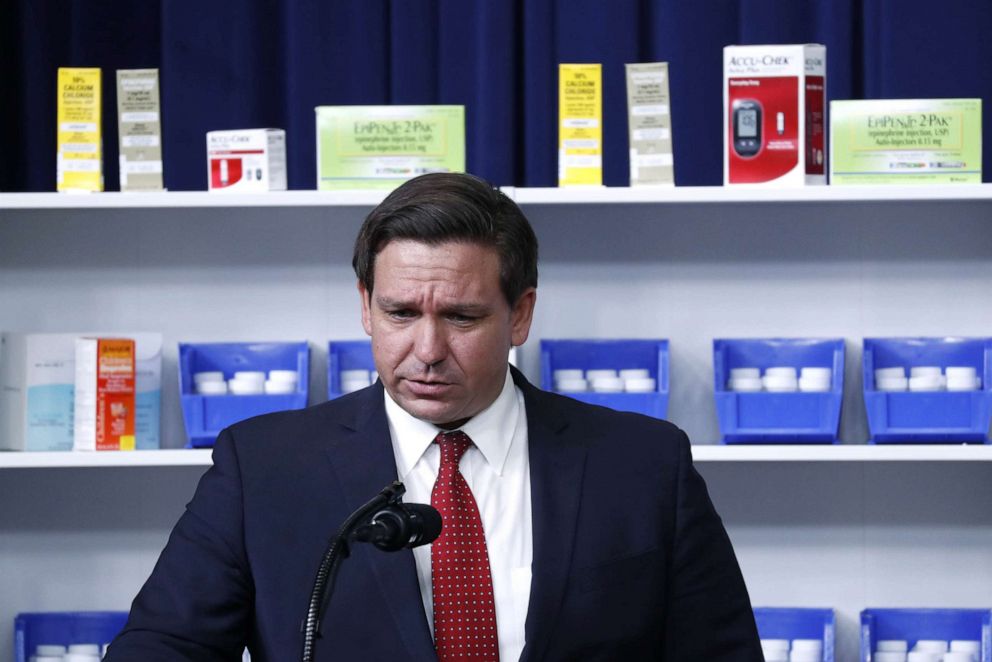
631 562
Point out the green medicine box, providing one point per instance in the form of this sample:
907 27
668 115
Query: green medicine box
380 147
906 141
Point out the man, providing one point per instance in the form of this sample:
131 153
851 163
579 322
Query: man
571 532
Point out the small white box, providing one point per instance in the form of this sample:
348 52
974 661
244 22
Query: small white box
249 160
37 389
774 115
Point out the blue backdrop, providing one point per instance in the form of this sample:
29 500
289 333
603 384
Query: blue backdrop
263 63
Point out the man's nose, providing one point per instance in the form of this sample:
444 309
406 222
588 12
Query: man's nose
431 345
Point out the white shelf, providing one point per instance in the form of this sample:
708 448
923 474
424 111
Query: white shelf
700 452
756 194
190 199
524 196
159 458
843 453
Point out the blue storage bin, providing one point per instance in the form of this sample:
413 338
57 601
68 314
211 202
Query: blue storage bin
928 417
618 355
206 415
64 628
346 355
778 418
911 625
798 623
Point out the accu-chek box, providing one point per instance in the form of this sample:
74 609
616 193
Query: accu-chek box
774 115
249 160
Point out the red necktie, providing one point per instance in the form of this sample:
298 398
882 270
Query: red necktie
464 610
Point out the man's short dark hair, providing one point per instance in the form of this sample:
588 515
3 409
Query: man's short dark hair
442 207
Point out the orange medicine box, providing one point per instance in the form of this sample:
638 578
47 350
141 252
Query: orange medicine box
104 400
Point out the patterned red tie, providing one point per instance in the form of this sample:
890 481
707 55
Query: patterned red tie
464 610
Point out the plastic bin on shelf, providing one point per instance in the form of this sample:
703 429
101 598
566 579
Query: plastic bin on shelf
206 415
346 355
928 417
618 355
798 623
778 418
63 628
911 625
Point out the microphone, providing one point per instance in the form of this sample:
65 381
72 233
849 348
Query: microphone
400 525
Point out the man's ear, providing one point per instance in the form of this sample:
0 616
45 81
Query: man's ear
366 297
521 317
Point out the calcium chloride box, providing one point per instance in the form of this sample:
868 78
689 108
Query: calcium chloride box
377 147
37 389
580 125
906 141
248 160
79 156
774 115
103 404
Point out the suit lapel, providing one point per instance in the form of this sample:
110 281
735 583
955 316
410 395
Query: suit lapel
556 470
363 462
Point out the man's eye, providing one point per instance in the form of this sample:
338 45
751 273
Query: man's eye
462 319
400 314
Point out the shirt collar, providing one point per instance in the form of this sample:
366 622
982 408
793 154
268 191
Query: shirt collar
491 430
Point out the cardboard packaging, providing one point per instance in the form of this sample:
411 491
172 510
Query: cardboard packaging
104 398
246 161
649 119
37 389
79 159
774 115
906 141
139 126
580 125
380 147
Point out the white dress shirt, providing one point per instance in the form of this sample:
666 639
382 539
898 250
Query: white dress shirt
497 470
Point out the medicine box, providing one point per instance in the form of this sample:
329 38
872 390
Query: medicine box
774 115
246 161
928 417
906 141
37 389
778 418
346 355
104 396
912 625
613 354
64 629
793 623
206 415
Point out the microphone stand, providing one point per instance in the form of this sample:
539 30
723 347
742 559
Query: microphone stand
337 550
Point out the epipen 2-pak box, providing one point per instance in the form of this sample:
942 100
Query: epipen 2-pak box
380 147
580 125
37 389
774 114
104 395
246 161
79 159
139 126
649 119
906 141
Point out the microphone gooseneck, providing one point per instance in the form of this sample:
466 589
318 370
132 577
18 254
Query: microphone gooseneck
384 521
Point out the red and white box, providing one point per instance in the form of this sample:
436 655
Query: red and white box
249 160
774 115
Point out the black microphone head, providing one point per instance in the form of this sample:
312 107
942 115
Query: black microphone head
429 523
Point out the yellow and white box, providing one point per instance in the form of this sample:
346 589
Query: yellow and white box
139 126
246 161
580 125
79 159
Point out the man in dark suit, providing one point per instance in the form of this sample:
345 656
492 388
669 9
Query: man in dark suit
571 532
